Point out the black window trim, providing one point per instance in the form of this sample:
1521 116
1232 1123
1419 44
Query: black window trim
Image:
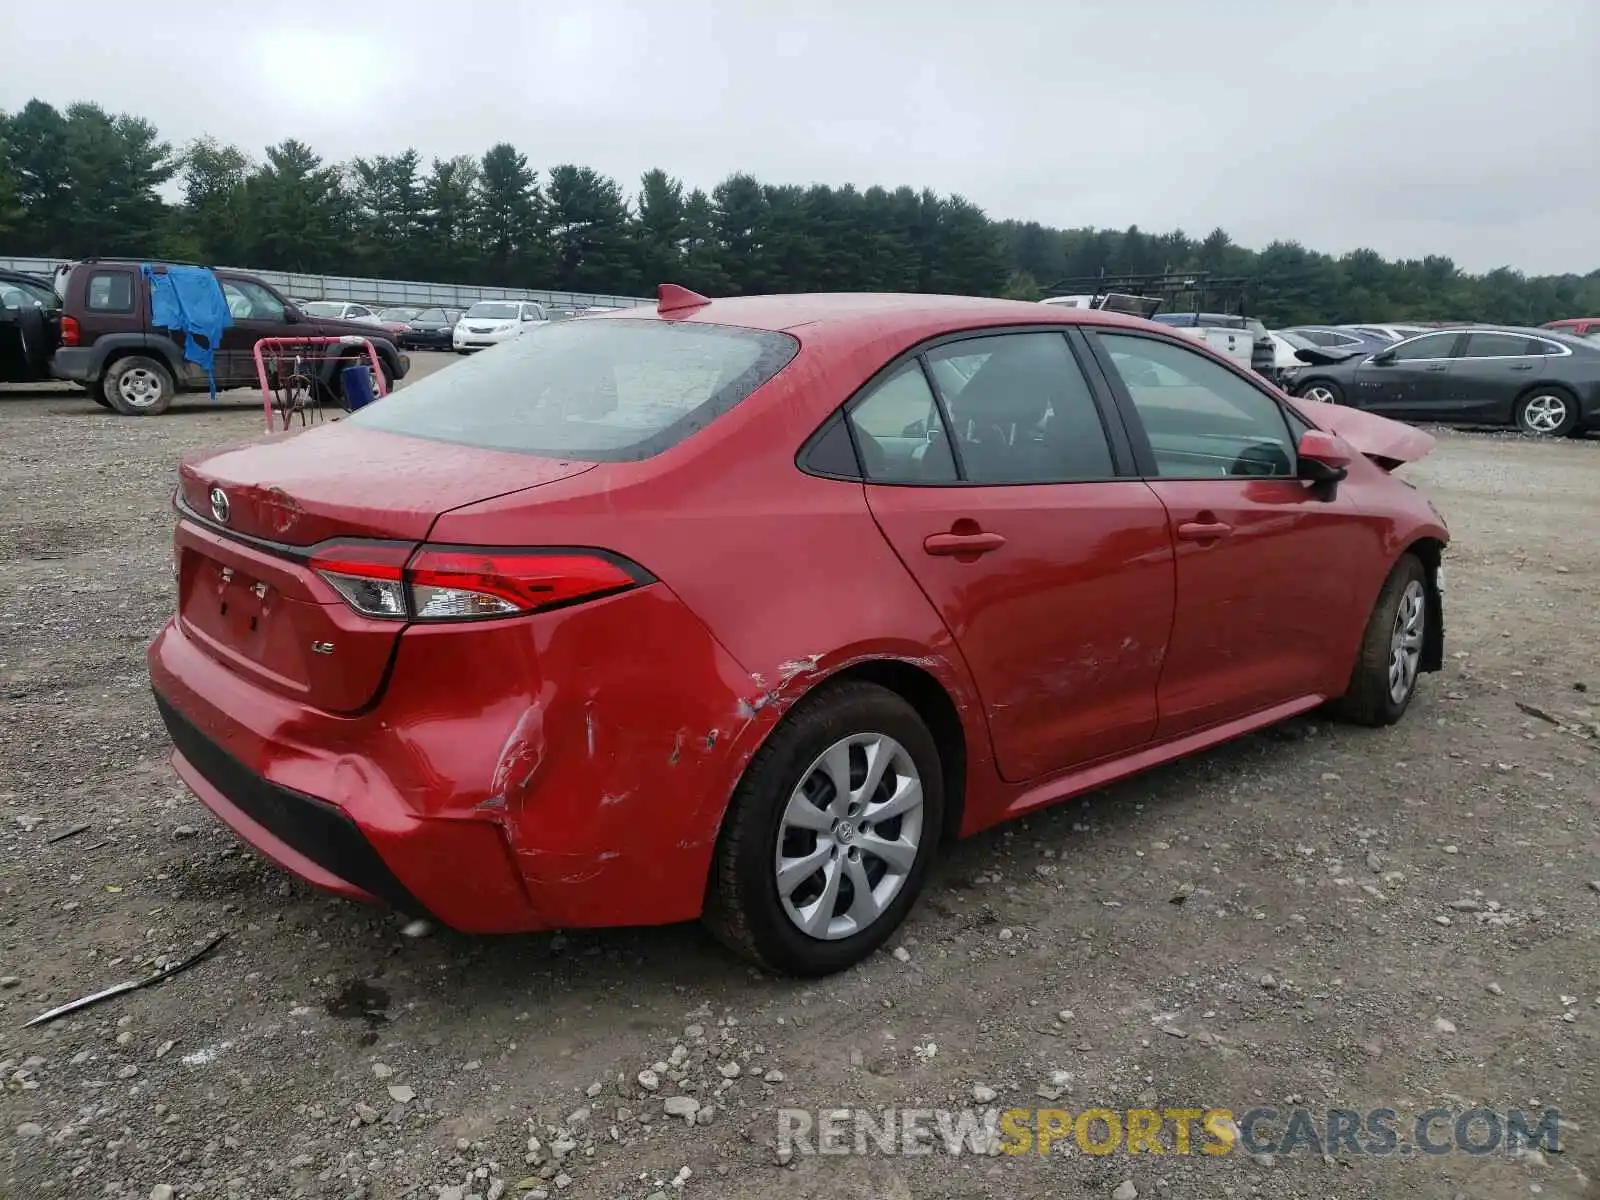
1123 458
1144 455
114 310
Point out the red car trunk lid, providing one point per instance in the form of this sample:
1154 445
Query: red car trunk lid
344 480
246 593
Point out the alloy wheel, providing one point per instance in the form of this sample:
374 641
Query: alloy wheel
1405 641
1319 393
849 836
1545 413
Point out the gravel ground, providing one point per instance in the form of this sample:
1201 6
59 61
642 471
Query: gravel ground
1319 916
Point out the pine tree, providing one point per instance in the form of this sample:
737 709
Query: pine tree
510 220
661 230
215 217
299 212
588 231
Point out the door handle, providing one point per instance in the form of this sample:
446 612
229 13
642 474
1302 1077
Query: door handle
1522 366
1203 531
961 544
1439 367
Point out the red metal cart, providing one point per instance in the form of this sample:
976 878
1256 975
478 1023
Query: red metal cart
296 374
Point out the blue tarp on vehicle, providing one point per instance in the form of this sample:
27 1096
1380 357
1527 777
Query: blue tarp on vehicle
189 300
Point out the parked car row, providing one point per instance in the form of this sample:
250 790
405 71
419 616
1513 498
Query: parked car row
92 326
1544 382
439 328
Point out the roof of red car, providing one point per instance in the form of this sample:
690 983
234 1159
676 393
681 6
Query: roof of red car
888 312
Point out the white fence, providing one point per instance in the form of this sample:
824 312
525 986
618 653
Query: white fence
384 291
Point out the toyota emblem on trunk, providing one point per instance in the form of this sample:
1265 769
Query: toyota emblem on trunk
219 505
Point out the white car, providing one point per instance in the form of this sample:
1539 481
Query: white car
1286 361
490 322
341 310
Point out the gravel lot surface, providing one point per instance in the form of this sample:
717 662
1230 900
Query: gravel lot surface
1318 917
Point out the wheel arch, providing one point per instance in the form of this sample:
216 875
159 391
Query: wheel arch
1429 551
937 709
1302 386
118 346
928 698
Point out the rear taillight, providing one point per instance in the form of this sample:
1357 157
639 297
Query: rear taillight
70 331
463 583
370 576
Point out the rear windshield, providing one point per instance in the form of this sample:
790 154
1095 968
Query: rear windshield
601 391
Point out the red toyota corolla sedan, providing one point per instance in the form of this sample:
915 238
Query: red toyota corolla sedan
741 608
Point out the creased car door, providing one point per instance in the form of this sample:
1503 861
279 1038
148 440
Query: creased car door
1059 594
1493 369
1413 383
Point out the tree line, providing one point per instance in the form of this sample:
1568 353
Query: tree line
83 181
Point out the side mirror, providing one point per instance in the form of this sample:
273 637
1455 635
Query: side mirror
1323 457
292 315
1383 358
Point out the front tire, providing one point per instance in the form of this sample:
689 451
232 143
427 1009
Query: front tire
1547 412
1323 391
830 833
1389 663
138 386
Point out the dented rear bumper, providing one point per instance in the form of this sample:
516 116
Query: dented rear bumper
563 770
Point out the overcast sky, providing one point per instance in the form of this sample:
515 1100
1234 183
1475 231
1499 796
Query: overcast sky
1469 128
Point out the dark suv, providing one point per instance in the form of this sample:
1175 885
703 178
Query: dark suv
108 344
30 324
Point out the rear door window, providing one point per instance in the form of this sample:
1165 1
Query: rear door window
1497 345
1022 411
900 433
599 391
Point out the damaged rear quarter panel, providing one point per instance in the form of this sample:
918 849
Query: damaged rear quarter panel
596 737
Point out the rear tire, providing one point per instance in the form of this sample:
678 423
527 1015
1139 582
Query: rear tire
137 386
1547 412
761 901
1389 662
97 392
1323 391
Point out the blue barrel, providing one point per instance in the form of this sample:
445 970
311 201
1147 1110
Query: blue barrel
356 381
